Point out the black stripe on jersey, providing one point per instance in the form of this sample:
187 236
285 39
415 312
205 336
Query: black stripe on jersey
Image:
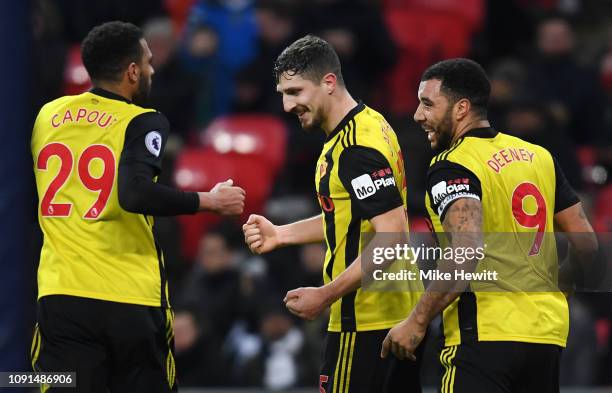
162 277
354 131
162 269
444 155
345 135
342 124
449 151
467 317
351 251
330 218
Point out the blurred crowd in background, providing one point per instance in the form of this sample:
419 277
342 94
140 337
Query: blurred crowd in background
550 66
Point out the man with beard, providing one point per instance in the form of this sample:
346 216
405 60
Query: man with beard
103 308
504 334
361 189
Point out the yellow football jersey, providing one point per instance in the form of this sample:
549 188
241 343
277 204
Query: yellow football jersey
92 247
359 175
518 185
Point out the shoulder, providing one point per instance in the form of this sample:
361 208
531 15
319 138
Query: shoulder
458 152
58 102
149 119
373 131
540 151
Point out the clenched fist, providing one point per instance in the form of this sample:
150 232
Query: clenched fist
260 234
224 199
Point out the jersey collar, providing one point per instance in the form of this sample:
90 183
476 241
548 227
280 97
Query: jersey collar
484 132
107 94
352 113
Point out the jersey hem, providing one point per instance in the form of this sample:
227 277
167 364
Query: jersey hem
523 339
102 296
366 327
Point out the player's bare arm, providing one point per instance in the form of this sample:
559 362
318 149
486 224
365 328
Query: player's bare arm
262 236
463 221
573 220
583 243
309 302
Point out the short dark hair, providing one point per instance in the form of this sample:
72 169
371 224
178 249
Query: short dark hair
311 57
109 48
462 78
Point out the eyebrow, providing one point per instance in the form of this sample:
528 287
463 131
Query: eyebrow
426 100
289 90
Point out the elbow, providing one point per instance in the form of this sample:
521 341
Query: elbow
130 201
586 244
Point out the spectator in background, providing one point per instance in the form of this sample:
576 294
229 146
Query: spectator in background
280 361
220 39
80 16
358 34
49 51
199 358
213 289
276 30
605 151
533 122
507 78
174 90
199 56
572 91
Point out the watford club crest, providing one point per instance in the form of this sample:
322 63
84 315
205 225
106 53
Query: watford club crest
322 168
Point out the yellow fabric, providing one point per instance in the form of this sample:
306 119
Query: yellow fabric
514 313
113 255
370 310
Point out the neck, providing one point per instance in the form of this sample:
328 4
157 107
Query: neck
339 107
116 88
469 125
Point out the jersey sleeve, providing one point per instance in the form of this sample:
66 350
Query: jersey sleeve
369 180
565 196
145 140
141 162
448 182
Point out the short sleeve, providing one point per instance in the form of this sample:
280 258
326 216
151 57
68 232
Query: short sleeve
369 180
145 140
447 182
565 196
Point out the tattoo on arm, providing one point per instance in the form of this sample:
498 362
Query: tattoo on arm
465 215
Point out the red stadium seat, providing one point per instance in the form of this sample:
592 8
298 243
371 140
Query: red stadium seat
76 79
260 137
199 169
250 149
425 31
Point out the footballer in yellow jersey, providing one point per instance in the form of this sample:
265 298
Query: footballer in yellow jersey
361 188
504 338
103 308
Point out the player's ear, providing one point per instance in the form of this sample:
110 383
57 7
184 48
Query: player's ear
462 108
133 72
330 82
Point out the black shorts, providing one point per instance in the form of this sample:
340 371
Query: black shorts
352 364
500 367
111 346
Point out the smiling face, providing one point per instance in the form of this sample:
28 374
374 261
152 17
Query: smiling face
435 114
304 98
